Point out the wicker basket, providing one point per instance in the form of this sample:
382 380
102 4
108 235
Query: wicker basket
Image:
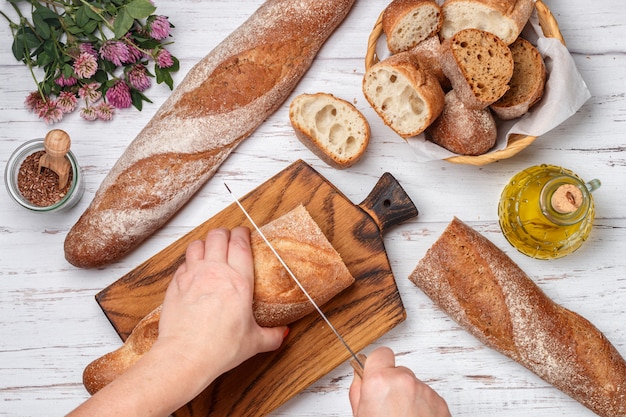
516 142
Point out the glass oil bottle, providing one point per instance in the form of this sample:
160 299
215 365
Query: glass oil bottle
547 212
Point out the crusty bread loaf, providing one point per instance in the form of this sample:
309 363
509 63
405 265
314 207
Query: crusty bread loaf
405 95
479 66
461 130
332 128
408 22
277 299
482 289
221 101
527 84
503 18
428 53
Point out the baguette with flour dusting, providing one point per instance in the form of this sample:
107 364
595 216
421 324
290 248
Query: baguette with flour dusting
489 295
221 101
277 300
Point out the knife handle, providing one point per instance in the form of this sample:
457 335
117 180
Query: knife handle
358 369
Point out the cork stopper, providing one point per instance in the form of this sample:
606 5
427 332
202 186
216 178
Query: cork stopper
57 144
567 199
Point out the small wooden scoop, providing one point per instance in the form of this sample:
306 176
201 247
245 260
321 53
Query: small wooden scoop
57 144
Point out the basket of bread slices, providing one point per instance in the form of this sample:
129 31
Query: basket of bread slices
470 81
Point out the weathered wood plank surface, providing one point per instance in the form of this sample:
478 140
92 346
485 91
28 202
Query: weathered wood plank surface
51 326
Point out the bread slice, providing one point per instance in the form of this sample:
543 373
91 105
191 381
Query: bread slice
463 131
527 83
277 300
408 22
491 297
505 19
332 128
404 94
479 66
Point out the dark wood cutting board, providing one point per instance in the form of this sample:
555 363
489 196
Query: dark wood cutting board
364 312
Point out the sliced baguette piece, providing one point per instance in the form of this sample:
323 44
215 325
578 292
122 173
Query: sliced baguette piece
489 295
461 130
504 18
527 84
408 22
404 93
277 300
332 128
479 66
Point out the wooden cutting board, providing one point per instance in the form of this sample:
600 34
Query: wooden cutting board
364 312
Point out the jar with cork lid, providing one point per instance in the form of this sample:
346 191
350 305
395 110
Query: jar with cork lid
43 175
546 211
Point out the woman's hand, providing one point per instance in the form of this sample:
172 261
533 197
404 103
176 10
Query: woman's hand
207 319
390 391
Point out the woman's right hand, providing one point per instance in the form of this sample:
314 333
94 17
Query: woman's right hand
387 390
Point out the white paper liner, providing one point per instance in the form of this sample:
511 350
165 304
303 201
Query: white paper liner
565 92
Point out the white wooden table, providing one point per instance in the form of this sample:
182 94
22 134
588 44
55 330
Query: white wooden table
51 326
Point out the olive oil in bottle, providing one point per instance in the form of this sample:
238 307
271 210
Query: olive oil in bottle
546 212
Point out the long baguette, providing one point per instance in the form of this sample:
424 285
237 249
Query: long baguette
220 102
483 290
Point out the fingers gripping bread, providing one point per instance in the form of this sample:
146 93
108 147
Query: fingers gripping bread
482 289
277 299
221 101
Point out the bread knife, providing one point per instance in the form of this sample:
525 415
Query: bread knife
357 361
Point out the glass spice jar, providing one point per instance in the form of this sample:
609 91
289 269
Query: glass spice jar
12 172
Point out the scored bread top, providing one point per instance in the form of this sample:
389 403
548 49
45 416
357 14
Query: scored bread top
479 66
504 18
330 127
305 249
408 22
527 83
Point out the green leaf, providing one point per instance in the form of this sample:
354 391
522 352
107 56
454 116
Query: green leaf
82 16
41 27
123 22
140 9
19 48
164 76
93 14
90 27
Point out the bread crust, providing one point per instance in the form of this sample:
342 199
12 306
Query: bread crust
510 17
277 299
463 131
200 124
489 295
410 111
527 83
401 17
330 127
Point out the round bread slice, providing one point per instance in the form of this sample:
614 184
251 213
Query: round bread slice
408 22
332 128
505 19
405 95
479 66
463 131
527 83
